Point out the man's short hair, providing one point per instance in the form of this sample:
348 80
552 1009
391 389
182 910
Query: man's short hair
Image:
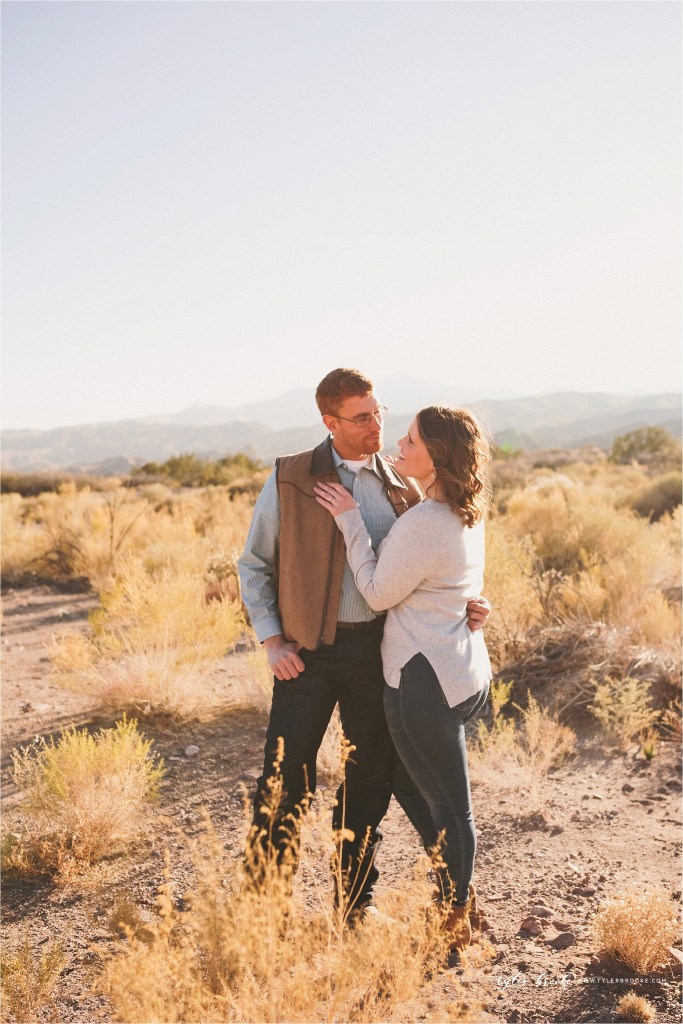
339 385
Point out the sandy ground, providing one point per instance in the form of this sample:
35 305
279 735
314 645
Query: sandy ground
608 821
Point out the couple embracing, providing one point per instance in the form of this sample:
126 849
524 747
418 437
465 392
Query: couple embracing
362 578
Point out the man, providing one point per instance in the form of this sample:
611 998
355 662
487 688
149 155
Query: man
321 638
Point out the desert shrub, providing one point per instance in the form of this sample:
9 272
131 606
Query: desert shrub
624 709
651 446
87 533
22 540
28 978
660 497
634 1008
72 533
571 528
152 643
521 749
30 485
638 927
509 586
84 794
189 470
563 554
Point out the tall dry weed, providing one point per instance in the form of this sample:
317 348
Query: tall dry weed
84 795
255 952
153 643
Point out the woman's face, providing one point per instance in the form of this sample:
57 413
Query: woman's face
414 460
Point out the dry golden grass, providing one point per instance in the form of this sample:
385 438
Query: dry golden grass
624 709
639 927
84 796
634 1008
86 533
258 953
153 642
561 552
29 978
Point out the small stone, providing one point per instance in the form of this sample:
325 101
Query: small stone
562 926
584 890
507 894
556 830
540 911
39 709
597 796
562 941
531 925
674 784
663 789
602 878
192 750
628 788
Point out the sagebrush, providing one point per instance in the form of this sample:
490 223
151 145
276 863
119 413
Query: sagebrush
85 795
29 977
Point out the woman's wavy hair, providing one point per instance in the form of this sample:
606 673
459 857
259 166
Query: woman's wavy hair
459 451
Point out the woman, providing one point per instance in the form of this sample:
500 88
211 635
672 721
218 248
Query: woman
436 670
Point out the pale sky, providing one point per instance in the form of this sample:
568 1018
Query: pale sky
214 202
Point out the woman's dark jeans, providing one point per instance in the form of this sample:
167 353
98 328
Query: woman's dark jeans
430 739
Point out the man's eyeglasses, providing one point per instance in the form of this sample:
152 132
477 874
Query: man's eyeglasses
366 418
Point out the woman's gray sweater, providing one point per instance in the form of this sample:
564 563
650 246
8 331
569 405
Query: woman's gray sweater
424 573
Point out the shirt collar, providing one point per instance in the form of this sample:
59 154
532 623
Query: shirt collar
338 461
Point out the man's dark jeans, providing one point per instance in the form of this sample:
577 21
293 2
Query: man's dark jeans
348 672
430 740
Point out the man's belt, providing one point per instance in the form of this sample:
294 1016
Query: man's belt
361 626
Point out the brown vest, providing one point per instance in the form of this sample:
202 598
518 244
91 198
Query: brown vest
312 552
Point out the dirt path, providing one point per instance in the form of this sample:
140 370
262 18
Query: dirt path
608 822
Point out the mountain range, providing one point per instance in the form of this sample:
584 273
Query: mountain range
290 422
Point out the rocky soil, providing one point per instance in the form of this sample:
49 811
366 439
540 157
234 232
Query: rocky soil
607 822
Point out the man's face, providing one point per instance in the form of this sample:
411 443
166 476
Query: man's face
351 439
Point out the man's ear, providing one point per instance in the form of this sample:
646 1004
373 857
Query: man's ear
331 422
